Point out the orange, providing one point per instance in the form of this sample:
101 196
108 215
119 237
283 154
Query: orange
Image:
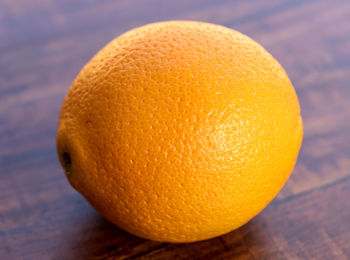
180 131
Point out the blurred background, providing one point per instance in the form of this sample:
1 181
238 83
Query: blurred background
44 44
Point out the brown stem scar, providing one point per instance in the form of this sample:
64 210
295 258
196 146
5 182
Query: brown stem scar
67 163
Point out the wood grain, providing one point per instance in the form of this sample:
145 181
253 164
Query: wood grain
43 45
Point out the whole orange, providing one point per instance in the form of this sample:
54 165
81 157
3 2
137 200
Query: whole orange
180 131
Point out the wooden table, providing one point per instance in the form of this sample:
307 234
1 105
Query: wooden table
43 45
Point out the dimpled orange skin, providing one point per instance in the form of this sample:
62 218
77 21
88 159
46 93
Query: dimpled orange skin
180 131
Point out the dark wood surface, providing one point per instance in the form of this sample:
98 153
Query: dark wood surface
43 45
